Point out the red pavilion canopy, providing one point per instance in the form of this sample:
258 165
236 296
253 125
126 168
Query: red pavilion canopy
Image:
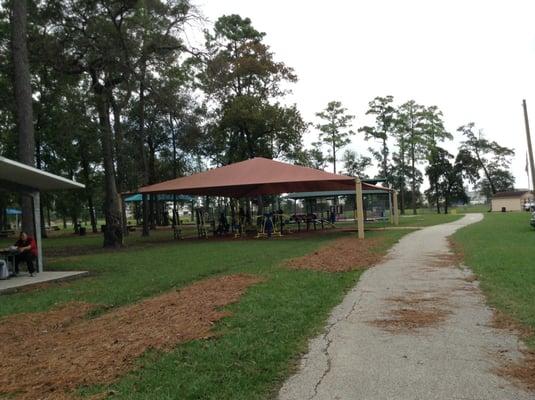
255 177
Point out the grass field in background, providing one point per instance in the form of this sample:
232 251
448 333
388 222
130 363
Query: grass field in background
501 251
61 243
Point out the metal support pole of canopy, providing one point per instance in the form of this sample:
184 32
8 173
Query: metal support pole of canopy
390 210
359 208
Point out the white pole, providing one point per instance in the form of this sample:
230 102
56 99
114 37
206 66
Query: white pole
37 225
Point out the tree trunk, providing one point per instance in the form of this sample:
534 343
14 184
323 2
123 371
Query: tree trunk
141 145
121 162
385 160
88 189
402 183
413 177
113 234
44 233
486 172
334 156
152 179
48 214
23 100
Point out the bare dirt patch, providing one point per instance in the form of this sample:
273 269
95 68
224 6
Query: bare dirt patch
522 371
500 320
471 278
415 311
457 249
440 260
47 355
340 255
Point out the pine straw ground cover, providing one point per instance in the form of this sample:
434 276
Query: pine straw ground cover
342 255
413 312
47 354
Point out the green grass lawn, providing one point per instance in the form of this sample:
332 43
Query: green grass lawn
269 327
257 347
501 251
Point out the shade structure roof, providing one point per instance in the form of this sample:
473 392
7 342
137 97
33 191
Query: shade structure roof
18 176
255 177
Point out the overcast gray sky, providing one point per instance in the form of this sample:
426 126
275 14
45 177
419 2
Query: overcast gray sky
474 59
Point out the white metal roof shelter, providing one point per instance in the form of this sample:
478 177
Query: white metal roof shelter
21 178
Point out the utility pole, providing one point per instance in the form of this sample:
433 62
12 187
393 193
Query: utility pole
530 150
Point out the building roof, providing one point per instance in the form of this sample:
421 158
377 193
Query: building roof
255 177
511 193
17 176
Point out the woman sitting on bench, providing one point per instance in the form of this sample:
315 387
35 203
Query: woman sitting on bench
27 252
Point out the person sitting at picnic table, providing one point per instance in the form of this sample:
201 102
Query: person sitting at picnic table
26 252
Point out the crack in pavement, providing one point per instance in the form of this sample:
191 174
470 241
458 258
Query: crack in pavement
328 341
352 359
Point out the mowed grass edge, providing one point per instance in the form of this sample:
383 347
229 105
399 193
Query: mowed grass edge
501 251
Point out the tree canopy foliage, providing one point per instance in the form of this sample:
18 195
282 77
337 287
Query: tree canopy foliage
111 93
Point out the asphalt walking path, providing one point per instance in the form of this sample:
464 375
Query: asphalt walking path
414 327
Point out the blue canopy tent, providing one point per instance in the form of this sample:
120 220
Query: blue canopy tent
13 211
138 198
16 212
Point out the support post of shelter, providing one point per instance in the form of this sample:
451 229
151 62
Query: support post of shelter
390 209
359 208
396 209
37 228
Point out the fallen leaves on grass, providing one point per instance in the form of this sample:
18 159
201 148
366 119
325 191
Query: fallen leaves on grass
414 311
46 355
340 255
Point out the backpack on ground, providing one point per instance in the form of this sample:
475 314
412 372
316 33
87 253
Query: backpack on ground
4 271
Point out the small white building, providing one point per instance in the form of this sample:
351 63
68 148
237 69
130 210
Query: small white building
511 201
476 197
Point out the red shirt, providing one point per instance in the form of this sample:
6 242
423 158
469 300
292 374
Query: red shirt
30 241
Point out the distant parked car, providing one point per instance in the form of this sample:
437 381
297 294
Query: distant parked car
529 205
532 220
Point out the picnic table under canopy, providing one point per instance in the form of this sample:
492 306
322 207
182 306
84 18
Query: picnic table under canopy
261 176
